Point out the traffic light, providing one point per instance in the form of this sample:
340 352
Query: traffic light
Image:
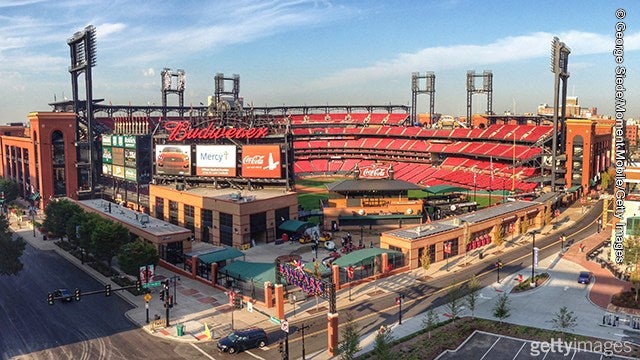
237 302
138 286
107 290
78 294
397 300
280 346
162 295
170 301
50 298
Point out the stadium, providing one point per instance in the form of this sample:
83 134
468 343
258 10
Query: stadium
228 172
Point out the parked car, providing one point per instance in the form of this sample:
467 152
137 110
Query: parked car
585 277
240 340
63 294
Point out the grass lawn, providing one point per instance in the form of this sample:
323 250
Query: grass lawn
450 335
311 201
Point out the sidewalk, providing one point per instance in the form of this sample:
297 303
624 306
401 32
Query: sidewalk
198 304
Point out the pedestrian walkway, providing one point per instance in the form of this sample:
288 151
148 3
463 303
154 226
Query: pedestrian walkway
204 312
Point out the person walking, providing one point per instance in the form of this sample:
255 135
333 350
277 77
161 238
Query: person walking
599 224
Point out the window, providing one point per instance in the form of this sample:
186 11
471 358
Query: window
633 226
206 224
226 229
189 221
160 208
173 212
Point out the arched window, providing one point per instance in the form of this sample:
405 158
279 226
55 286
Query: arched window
577 158
59 175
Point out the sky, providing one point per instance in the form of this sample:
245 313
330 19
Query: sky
300 52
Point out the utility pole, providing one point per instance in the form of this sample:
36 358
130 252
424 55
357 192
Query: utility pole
399 300
303 328
166 301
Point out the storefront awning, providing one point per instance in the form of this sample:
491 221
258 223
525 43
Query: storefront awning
574 188
220 255
259 273
358 256
294 226
444 189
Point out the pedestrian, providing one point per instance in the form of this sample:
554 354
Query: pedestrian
599 224
371 244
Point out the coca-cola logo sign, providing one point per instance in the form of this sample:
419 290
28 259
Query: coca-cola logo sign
374 172
253 160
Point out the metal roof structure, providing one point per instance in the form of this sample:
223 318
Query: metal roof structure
360 185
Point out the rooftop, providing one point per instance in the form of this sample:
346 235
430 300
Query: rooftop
133 218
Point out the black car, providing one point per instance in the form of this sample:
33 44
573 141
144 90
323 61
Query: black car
585 277
240 340
63 294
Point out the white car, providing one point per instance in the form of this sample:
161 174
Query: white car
329 245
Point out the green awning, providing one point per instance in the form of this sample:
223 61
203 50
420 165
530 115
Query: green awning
444 189
294 226
259 273
358 256
35 196
220 255
574 188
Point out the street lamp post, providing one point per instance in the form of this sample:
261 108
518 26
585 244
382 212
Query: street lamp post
533 256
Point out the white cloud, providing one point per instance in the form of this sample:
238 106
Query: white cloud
509 49
103 31
149 72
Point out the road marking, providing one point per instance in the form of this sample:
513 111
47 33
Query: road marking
204 353
254 355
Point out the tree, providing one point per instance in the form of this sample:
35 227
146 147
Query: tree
10 190
473 287
564 320
107 238
632 248
497 234
76 216
430 321
502 309
136 254
454 301
10 250
350 343
426 258
605 180
57 217
634 278
382 345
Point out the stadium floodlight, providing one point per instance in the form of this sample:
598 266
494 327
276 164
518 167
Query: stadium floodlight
181 80
471 80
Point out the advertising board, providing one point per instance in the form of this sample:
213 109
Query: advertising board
118 156
106 169
107 155
216 160
106 140
130 142
261 161
130 157
130 174
118 171
173 159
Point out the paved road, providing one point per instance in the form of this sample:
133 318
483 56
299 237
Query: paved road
93 328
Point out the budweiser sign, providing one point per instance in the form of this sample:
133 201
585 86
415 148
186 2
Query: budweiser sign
374 172
182 130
